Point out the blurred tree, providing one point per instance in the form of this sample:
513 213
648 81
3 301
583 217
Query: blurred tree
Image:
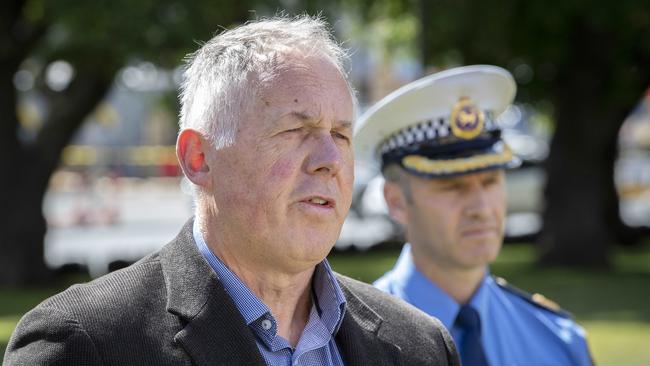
590 61
96 38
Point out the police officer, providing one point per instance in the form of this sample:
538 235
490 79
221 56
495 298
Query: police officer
443 160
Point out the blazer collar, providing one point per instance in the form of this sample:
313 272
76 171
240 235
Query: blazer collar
214 331
360 337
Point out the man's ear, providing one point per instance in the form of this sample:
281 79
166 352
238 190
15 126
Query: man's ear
191 151
396 201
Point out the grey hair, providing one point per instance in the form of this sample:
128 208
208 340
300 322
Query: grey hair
223 76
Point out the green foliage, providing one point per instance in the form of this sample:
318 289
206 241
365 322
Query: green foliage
583 66
370 9
536 40
394 37
104 35
364 266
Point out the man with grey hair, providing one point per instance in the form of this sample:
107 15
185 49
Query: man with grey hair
265 139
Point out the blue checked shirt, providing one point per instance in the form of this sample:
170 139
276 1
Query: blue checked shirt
317 345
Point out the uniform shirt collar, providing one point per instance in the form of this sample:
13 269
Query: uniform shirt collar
428 297
329 299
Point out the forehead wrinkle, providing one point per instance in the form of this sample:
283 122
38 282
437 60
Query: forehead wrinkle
303 102
309 119
343 124
304 68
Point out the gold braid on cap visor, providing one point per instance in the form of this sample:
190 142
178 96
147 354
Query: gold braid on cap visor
443 166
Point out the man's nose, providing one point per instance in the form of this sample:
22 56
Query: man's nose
478 203
325 156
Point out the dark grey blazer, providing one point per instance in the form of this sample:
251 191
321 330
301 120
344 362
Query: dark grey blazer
170 309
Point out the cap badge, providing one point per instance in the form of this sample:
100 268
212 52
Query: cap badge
466 119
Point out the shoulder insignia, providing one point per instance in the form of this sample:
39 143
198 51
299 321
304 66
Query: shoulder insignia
536 299
546 302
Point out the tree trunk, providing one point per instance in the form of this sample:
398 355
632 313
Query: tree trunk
22 231
580 187
580 195
28 167
425 40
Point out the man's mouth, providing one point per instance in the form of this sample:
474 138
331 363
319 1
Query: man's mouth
479 231
320 201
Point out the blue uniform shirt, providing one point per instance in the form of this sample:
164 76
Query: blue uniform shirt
514 331
317 345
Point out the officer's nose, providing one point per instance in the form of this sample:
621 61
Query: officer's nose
478 203
325 156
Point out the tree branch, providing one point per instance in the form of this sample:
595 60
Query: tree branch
17 39
68 111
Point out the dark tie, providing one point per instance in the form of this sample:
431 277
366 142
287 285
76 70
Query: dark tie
471 350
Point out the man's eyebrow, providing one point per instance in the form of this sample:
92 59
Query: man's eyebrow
447 180
343 124
306 117
303 116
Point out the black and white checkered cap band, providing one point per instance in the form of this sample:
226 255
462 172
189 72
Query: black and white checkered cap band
429 130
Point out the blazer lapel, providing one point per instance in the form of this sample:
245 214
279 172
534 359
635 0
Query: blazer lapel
214 331
359 337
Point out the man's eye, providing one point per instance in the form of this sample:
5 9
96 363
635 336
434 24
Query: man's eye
339 135
452 187
491 181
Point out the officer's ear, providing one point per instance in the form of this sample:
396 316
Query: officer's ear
396 200
191 150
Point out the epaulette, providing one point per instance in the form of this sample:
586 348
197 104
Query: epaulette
536 299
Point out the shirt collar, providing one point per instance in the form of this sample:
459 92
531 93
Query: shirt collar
250 307
428 297
329 298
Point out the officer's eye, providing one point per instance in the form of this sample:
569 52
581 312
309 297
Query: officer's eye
490 181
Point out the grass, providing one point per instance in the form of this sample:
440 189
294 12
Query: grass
611 305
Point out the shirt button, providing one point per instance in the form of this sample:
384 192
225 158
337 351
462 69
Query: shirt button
266 324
